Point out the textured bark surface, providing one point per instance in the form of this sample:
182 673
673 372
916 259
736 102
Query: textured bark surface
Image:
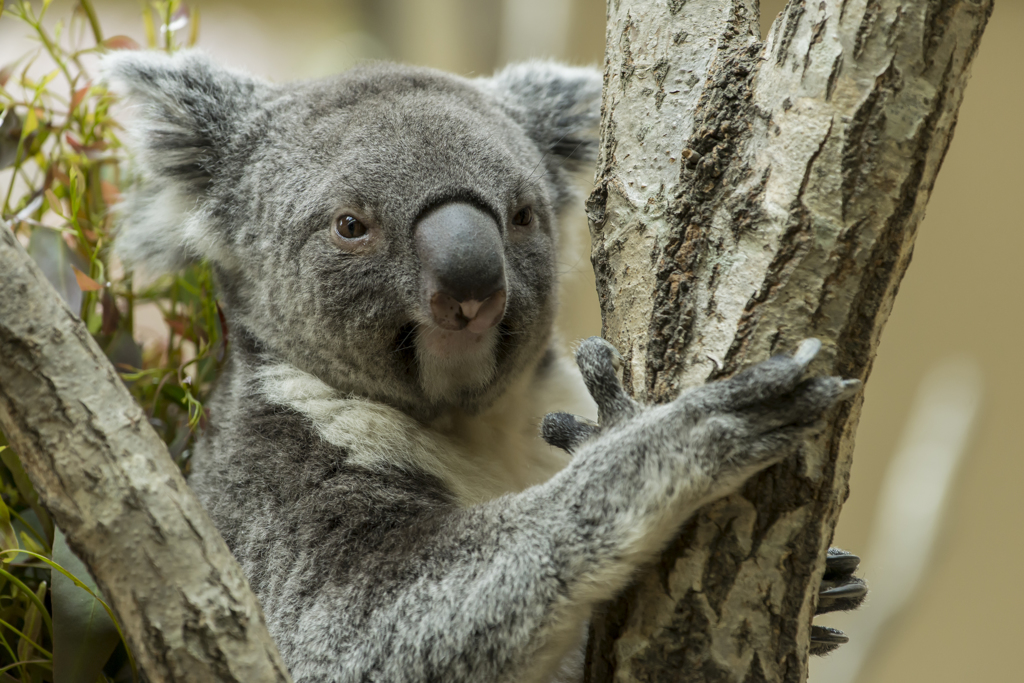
108 481
750 195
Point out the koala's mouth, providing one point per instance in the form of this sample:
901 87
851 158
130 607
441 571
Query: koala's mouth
405 347
445 362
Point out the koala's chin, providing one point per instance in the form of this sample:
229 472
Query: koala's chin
453 363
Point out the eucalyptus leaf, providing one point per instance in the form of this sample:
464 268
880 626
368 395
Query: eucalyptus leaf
123 351
8 537
10 133
83 634
48 249
25 490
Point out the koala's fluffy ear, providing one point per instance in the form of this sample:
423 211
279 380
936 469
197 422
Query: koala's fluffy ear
558 105
184 113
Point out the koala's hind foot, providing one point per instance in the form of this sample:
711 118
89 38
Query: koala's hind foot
840 591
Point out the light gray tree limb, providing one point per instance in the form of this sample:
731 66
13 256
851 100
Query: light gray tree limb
108 481
749 195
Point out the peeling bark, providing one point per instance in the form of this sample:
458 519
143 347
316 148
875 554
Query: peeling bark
749 195
108 481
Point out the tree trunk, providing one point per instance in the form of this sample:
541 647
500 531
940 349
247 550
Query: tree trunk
108 481
749 195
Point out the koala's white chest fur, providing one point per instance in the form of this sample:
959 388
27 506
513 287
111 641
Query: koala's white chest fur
479 457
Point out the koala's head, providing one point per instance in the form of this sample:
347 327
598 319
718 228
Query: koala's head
391 230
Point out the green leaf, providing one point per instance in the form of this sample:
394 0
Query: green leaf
48 249
123 351
29 543
31 123
83 634
24 486
174 393
8 538
78 582
33 626
10 134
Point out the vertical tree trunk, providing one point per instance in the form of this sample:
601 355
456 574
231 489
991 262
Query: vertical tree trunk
750 195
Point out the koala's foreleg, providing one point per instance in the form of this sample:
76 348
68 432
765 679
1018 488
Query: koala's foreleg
840 590
500 591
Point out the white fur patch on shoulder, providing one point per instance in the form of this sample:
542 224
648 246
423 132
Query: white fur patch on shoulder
479 458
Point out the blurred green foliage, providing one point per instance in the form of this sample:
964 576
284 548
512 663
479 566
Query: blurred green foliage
61 166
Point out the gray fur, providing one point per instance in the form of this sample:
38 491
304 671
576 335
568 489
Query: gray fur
391 505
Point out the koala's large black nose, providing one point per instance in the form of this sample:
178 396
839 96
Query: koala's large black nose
462 267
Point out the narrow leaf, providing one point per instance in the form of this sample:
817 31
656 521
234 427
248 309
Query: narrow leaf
123 351
48 249
120 43
79 95
24 486
86 283
147 23
78 582
111 195
94 22
54 203
33 625
30 543
8 538
193 34
31 123
83 634
10 134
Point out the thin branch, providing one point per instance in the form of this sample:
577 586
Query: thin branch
111 486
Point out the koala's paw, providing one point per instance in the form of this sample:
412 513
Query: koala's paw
599 363
737 426
840 591
566 431
746 419
753 419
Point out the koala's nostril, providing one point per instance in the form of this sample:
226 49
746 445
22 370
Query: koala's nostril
470 308
476 316
446 312
485 314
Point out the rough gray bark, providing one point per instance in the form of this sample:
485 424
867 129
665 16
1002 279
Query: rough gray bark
749 195
108 481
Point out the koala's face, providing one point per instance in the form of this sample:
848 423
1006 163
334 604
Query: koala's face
391 231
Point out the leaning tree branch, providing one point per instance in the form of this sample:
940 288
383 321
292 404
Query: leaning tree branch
749 195
108 481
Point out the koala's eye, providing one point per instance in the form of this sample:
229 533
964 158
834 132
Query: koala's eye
348 227
523 217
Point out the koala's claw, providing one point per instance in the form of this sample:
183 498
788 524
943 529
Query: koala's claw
825 639
839 561
566 431
806 351
839 590
764 382
768 405
850 387
846 592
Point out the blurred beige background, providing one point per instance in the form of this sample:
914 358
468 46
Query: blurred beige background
960 298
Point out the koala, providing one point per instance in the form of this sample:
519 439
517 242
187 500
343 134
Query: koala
385 245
